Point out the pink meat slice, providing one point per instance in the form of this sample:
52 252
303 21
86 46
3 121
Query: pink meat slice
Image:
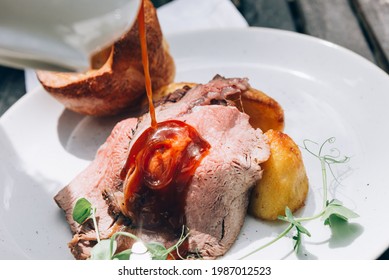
101 174
217 197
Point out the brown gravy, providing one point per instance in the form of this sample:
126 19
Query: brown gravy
160 165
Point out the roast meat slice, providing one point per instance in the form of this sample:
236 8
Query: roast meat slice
217 196
101 174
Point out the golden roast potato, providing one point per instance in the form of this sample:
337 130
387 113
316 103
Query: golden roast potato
284 181
265 112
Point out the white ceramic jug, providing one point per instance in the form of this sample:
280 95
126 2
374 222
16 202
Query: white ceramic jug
61 35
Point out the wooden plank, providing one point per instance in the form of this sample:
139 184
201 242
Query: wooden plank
265 13
159 3
374 15
334 20
11 87
384 256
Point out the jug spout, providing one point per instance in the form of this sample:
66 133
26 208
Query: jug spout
61 35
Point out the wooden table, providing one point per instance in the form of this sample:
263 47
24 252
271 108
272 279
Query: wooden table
359 25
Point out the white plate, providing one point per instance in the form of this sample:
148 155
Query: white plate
326 91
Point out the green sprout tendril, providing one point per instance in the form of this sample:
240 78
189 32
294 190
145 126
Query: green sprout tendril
331 208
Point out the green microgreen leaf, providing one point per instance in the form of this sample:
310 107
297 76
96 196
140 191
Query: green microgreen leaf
292 220
82 210
336 208
157 251
332 212
102 250
123 255
300 229
297 241
105 249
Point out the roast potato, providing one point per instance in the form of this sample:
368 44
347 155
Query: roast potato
265 113
284 181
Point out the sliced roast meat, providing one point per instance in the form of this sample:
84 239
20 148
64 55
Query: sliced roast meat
102 173
217 196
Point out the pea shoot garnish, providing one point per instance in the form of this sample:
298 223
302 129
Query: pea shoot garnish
83 211
331 210
106 249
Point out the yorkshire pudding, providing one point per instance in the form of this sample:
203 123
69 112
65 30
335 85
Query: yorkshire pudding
116 82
